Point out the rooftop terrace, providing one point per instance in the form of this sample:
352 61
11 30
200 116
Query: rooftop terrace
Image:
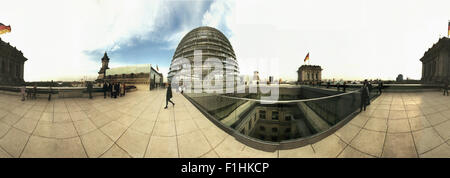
395 125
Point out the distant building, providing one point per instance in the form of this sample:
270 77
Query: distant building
308 74
11 64
399 78
436 62
133 74
105 62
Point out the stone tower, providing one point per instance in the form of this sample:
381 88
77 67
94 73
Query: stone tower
105 62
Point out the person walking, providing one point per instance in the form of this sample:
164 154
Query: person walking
34 91
124 89
50 91
445 87
105 89
110 89
169 96
380 87
364 96
344 87
89 89
114 90
121 89
22 91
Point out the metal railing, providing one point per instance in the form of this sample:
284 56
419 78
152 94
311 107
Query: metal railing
270 125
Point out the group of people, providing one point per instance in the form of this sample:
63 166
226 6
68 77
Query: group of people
114 89
30 94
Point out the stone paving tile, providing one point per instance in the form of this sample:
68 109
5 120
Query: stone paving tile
55 130
436 118
84 126
229 148
394 125
376 124
10 118
14 142
443 130
115 152
134 143
96 143
26 125
4 129
144 126
4 154
214 135
399 145
418 123
348 132
210 154
399 125
162 147
193 145
426 140
397 115
359 121
350 152
442 151
380 113
165 129
370 142
329 147
113 130
301 152
39 147
185 126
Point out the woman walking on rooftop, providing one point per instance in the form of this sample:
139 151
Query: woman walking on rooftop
169 96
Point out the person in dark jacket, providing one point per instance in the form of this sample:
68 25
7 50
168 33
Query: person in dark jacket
445 87
110 88
344 87
34 91
380 87
105 89
50 91
169 96
364 96
116 89
89 89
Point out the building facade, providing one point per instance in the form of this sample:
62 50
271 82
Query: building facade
399 78
269 123
11 65
143 74
436 62
309 74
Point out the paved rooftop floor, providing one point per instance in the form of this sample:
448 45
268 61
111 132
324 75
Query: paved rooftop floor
395 125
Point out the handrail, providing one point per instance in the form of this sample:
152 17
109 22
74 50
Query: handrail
290 101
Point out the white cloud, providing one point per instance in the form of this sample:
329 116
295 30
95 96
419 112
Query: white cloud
54 35
351 39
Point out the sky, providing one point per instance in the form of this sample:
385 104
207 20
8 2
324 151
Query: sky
350 39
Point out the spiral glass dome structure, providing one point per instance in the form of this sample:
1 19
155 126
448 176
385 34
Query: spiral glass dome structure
202 44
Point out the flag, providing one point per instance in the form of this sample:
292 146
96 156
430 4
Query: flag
306 58
448 35
4 28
